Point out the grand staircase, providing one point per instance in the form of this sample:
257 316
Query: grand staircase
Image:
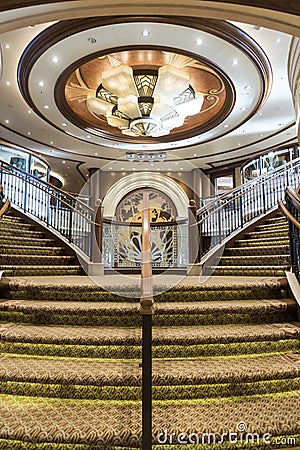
26 251
261 252
226 359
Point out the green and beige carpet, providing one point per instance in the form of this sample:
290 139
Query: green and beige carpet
226 363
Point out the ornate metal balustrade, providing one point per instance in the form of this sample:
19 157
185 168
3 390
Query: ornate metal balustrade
291 209
230 213
120 243
67 215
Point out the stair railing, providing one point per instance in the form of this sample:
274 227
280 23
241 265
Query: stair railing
290 207
71 218
227 215
5 208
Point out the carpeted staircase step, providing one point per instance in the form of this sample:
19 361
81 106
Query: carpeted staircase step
262 242
270 288
27 241
168 342
266 234
259 250
29 250
43 260
15 225
101 424
112 380
19 232
253 271
127 314
273 227
256 260
33 270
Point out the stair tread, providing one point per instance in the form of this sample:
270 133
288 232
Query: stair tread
165 372
89 421
161 335
111 308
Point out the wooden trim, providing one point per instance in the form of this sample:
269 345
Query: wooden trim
5 208
288 215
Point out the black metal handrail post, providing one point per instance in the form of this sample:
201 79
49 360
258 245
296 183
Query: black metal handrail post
146 309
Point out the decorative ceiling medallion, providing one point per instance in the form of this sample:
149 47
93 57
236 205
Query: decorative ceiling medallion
145 93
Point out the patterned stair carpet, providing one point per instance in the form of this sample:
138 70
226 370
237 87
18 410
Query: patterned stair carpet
25 251
226 363
262 252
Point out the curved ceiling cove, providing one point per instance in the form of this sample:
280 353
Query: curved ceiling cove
81 99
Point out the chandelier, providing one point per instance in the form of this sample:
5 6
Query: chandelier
145 102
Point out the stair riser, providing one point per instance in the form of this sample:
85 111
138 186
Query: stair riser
27 260
126 393
117 320
254 251
128 351
26 272
263 272
256 261
273 291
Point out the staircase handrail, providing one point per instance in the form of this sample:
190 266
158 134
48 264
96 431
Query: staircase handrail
44 185
240 189
232 211
5 208
290 207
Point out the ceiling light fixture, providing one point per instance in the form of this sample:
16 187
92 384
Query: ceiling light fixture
146 157
145 102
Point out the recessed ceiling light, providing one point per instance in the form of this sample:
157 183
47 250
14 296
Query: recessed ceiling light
181 168
133 168
55 59
122 168
29 133
6 45
278 40
96 154
88 136
8 83
7 121
195 154
92 40
243 108
199 41
51 142
41 83
64 124
235 62
146 33
110 168
29 111
176 163
64 162
46 106
226 125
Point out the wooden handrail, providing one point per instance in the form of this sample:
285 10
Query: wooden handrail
232 199
21 173
291 193
146 273
288 215
258 181
5 208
